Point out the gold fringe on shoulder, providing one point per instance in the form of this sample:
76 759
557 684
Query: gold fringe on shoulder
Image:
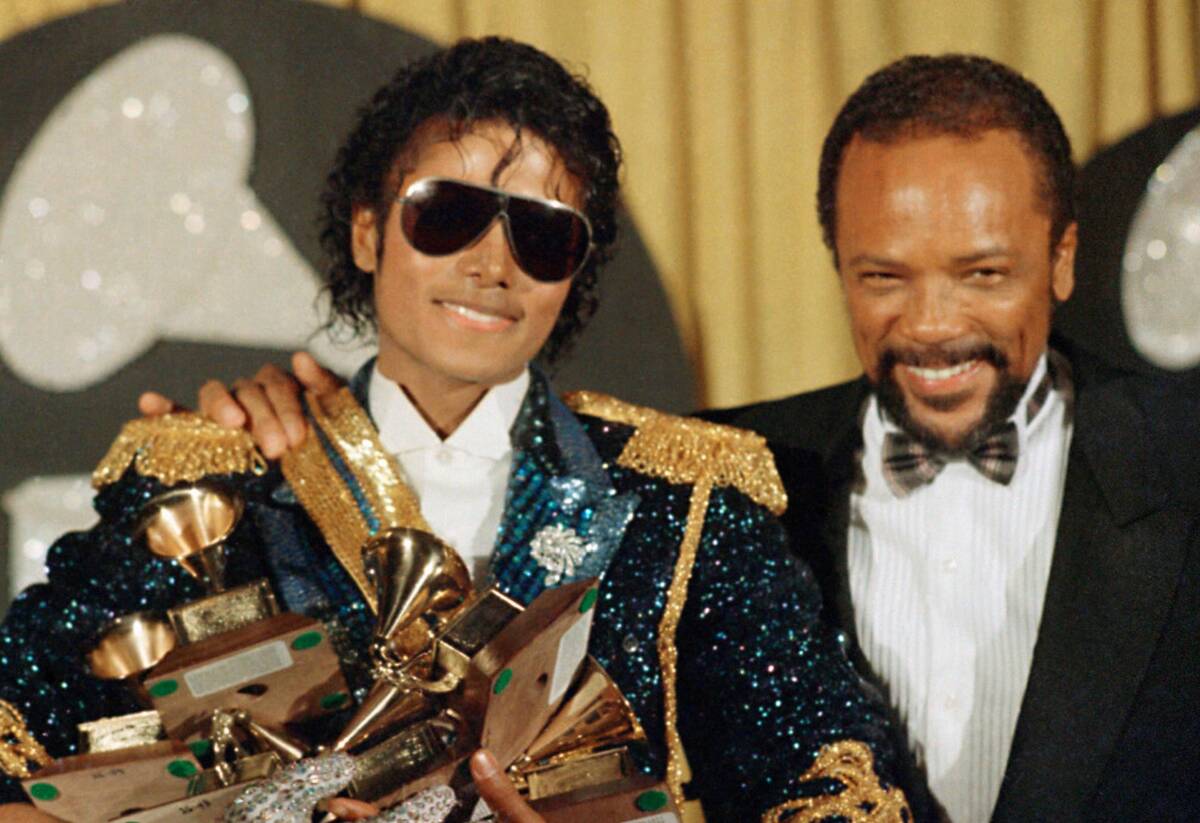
18 748
863 800
684 449
326 497
176 448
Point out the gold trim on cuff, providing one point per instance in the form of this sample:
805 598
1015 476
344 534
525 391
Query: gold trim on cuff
18 748
863 800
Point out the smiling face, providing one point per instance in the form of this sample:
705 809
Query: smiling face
471 319
943 251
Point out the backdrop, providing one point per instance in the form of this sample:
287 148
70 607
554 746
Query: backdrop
721 106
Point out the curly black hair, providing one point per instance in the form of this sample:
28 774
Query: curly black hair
470 82
957 94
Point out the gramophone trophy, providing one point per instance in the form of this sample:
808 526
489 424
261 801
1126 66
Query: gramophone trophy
579 766
236 650
454 672
125 763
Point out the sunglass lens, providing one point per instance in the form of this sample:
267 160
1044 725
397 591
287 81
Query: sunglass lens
441 217
551 243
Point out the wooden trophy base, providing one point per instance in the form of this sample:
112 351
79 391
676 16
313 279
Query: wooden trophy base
640 799
90 787
280 670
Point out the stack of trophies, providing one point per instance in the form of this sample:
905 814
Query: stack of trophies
227 681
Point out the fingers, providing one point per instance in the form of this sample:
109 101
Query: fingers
283 396
347 808
498 791
216 403
153 404
432 805
313 375
261 420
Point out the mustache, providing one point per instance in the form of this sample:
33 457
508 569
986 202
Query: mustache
941 356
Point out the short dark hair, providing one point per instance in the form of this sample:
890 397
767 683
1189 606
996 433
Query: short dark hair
471 82
955 94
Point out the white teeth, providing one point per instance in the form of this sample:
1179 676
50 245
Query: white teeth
471 314
941 374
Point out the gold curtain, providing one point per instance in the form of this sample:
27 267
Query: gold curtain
722 105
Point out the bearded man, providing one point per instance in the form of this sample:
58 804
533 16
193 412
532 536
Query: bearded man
1010 528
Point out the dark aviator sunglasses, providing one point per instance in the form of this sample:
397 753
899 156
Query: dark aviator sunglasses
549 240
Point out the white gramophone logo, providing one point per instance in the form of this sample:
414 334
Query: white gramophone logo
128 220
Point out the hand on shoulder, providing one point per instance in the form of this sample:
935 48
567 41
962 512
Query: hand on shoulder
267 405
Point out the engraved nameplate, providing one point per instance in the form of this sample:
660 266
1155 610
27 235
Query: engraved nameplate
111 733
224 612
237 669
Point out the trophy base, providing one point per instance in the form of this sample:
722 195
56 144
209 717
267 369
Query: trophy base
203 808
640 799
90 787
280 670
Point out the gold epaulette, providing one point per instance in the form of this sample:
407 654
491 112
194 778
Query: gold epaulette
684 449
175 448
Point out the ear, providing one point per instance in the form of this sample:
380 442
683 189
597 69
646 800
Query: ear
1062 272
364 238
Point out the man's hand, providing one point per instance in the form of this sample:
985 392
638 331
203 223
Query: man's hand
268 405
498 791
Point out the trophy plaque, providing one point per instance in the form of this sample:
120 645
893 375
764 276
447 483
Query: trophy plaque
279 670
100 786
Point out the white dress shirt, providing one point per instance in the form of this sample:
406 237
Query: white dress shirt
460 481
947 585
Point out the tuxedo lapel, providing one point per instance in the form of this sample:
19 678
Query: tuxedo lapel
1117 558
559 500
840 463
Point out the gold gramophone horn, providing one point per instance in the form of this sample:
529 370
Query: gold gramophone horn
413 572
190 525
130 645
594 715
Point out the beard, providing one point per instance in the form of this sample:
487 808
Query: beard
1001 401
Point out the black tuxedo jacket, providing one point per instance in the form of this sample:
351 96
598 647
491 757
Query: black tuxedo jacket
1109 728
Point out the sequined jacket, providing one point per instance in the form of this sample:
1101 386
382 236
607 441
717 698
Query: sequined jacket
704 620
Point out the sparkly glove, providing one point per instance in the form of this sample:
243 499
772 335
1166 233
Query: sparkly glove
291 795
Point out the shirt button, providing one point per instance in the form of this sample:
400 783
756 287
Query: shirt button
949 565
951 702
444 456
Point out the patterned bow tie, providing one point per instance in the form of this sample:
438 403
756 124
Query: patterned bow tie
909 464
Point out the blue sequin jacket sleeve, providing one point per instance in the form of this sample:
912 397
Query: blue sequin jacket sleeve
763 684
93 576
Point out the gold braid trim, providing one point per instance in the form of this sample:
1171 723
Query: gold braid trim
862 800
178 447
684 450
325 496
668 654
18 748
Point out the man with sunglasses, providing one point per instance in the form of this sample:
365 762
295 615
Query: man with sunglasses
466 220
